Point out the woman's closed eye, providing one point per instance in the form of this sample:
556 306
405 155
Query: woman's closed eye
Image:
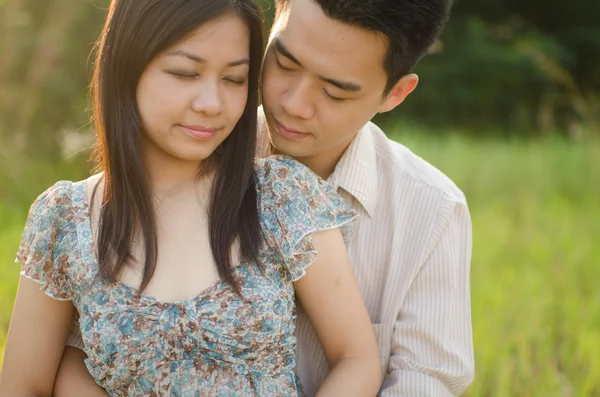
238 81
183 75
189 75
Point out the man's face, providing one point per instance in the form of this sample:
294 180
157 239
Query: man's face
323 80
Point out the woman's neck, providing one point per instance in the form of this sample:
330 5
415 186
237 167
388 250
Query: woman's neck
168 174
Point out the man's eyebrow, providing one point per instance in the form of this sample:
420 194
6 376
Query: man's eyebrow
196 58
282 49
342 85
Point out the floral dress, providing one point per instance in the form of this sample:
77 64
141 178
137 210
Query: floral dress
214 344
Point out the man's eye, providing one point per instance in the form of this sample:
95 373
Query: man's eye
281 66
333 98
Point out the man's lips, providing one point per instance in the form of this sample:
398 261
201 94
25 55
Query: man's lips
288 132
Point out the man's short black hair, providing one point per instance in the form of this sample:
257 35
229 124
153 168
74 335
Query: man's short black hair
411 27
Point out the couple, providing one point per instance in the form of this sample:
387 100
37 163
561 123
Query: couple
184 258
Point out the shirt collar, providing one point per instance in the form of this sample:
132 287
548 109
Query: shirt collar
356 172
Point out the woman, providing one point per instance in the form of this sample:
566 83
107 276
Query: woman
184 256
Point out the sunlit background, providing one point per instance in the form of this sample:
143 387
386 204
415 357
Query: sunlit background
508 106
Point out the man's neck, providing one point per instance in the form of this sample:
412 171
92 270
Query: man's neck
323 164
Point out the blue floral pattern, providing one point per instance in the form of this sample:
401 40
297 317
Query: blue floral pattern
215 344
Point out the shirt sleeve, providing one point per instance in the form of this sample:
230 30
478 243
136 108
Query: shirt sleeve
75 339
44 251
432 344
295 203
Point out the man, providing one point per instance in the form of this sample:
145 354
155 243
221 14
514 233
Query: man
330 66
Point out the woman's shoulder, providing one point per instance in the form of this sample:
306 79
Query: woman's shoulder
49 242
279 174
55 201
285 183
280 167
63 198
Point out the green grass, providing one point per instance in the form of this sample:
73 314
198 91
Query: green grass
9 238
535 269
535 298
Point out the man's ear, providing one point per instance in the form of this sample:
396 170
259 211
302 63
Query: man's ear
399 92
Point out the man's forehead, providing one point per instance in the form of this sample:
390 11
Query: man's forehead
346 50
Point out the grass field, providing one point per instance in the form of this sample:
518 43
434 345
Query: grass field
536 262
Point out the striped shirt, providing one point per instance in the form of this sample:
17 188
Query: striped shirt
411 255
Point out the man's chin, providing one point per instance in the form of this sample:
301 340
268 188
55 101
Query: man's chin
288 149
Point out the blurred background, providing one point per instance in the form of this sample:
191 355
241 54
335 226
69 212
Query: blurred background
508 106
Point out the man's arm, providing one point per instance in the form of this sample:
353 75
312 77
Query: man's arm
432 346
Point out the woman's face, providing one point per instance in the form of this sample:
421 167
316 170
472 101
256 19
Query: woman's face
191 96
